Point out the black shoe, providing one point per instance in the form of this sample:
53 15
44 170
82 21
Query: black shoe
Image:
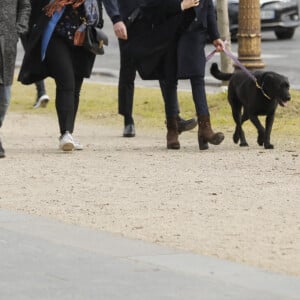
2 152
129 130
185 125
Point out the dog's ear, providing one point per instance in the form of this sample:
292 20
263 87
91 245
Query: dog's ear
267 77
286 82
268 82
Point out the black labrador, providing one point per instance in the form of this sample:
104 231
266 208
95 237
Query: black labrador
254 99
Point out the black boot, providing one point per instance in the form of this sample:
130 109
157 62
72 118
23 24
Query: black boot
172 134
186 125
206 134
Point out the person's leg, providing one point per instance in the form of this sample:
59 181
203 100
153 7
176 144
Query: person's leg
205 132
169 93
40 88
168 85
199 95
42 98
60 64
2 151
126 91
78 85
5 93
173 121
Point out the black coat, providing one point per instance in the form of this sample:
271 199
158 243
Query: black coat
152 35
33 68
127 6
191 45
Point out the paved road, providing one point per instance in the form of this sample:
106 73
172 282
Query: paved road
43 259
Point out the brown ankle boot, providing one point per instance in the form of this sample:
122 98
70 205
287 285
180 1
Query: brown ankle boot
206 134
172 134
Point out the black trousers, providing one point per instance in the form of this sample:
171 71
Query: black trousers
126 81
126 85
60 61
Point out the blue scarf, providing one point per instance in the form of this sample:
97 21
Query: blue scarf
92 18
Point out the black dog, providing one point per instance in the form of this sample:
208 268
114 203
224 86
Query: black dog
259 98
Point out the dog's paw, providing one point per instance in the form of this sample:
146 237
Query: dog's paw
236 138
260 139
269 146
260 143
244 144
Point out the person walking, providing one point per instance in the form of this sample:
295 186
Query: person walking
52 52
14 17
152 45
191 64
42 98
123 14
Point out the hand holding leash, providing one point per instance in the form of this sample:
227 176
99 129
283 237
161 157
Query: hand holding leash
219 45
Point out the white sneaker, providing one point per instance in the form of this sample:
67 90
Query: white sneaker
77 145
41 101
66 142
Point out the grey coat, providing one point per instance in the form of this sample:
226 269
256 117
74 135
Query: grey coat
14 17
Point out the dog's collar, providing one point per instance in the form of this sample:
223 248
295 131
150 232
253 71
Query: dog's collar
262 89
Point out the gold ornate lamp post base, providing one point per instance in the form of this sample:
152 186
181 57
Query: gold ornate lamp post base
249 34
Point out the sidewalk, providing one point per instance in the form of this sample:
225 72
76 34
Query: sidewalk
43 259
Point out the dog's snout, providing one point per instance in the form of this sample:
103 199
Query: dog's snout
286 97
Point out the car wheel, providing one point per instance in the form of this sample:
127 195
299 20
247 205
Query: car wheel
285 34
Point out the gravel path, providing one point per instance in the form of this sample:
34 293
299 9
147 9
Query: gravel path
240 204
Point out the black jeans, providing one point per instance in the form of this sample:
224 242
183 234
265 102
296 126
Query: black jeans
126 85
168 89
199 95
61 64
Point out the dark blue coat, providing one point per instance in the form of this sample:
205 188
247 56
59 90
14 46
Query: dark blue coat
191 45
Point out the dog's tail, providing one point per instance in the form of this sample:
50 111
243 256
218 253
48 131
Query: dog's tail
217 73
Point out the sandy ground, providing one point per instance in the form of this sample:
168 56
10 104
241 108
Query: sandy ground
240 204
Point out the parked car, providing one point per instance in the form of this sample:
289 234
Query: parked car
280 16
